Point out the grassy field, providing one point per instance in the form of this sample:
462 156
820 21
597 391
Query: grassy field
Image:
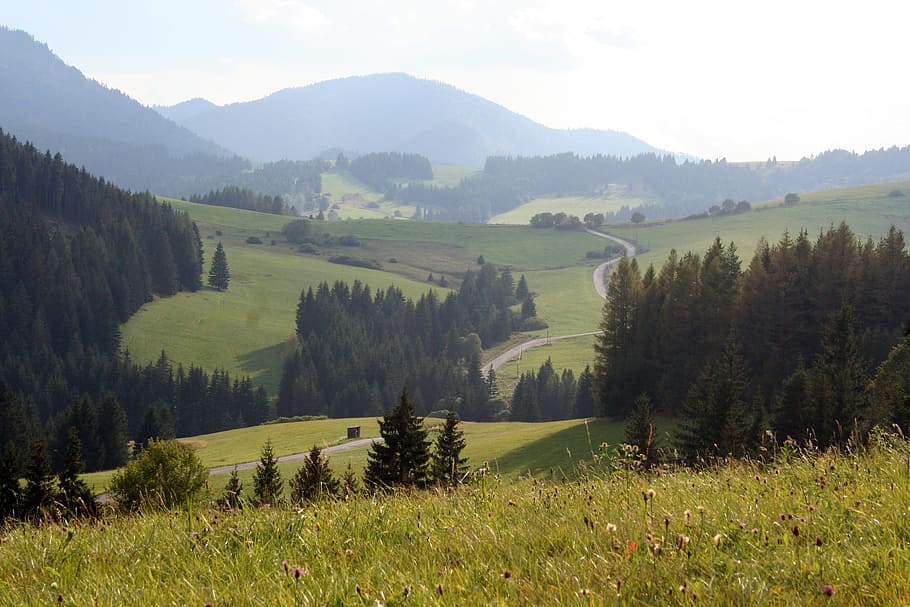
570 205
867 209
511 448
810 529
448 175
245 328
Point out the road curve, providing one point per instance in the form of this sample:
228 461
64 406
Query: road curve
600 271
599 286
296 457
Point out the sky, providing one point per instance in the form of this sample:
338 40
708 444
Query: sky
735 79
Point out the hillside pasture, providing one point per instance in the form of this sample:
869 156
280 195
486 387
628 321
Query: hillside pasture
570 205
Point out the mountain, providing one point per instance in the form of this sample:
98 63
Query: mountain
53 105
388 112
185 110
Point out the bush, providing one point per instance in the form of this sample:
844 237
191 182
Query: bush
791 199
533 324
254 240
895 194
308 248
392 260
349 241
357 262
164 475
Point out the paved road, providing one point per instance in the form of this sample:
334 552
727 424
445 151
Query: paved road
296 457
599 286
600 272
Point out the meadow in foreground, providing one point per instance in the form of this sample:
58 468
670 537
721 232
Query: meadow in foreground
815 529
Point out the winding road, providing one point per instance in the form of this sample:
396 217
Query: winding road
599 286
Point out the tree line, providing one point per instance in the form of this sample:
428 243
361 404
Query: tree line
379 170
357 348
708 341
237 197
674 188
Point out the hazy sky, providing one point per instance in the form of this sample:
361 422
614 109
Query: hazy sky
745 80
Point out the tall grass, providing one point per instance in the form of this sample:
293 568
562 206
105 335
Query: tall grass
813 529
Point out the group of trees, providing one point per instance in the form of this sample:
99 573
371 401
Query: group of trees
401 457
560 221
241 198
77 258
379 170
357 348
548 395
679 335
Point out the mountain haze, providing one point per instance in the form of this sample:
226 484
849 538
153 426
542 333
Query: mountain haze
388 112
53 105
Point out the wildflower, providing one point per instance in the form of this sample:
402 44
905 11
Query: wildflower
284 564
796 530
718 539
818 540
611 528
682 541
701 509
829 590
811 507
298 573
439 589
651 493
507 574
754 530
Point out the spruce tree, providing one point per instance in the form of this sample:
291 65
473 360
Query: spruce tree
75 496
447 467
716 418
314 480
584 394
231 497
39 493
9 482
349 485
640 431
402 457
219 275
521 291
838 382
267 484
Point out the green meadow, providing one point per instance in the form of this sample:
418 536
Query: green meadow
867 209
795 528
511 449
570 205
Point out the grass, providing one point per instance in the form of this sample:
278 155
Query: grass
574 354
449 175
511 448
570 205
867 209
811 529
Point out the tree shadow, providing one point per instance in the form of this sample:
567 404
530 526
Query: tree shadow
558 454
264 366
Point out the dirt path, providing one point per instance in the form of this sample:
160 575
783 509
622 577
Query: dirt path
296 457
599 286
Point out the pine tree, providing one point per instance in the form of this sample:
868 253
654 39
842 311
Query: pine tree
349 485
75 496
219 275
314 480
112 434
792 413
838 382
231 497
521 290
9 482
39 494
267 484
402 457
640 431
447 467
584 394
716 418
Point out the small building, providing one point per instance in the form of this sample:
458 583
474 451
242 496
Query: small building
354 432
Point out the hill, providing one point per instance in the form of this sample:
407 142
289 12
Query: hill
388 112
53 105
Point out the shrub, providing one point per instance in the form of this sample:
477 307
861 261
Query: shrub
254 240
791 199
308 248
357 262
895 194
165 474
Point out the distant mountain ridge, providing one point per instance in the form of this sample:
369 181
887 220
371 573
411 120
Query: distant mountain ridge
387 112
53 105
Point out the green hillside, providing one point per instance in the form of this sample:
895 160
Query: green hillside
244 329
570 205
